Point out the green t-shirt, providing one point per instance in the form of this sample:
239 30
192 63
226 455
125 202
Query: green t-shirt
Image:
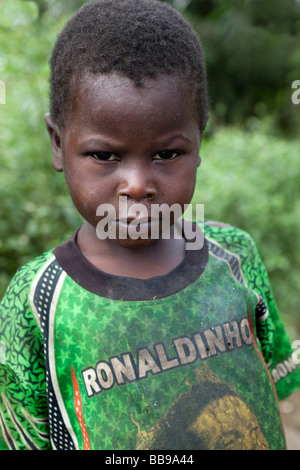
195 359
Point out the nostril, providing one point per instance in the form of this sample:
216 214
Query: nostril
137 189
126 196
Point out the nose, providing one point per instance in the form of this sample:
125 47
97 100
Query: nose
137 184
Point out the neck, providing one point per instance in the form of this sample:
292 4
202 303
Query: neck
144 262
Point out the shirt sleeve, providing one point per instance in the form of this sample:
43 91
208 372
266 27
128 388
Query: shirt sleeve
275 344
23 400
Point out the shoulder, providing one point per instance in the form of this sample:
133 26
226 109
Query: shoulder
237 246
214 223
17 315
231 240
31 269
25 276
227 234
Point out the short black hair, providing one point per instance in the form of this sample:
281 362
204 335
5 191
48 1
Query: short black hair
138 39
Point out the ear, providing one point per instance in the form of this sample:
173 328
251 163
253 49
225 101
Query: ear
55 140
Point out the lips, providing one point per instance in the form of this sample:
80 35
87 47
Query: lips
137 220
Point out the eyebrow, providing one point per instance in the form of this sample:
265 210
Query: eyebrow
176 137
96 142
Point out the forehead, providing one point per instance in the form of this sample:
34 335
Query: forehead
113 97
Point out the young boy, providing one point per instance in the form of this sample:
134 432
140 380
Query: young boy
117 339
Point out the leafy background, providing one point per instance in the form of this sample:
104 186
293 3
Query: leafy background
250 172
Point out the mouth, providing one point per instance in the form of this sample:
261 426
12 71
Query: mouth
138 227
121 228
137 221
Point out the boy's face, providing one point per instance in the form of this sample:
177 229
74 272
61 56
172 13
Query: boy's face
121 140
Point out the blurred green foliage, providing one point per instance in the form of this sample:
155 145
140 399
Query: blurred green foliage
252 55
250 173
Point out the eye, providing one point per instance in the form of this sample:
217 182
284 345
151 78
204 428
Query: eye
103 156
165 155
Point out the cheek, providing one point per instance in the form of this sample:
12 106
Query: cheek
85 199
184 189
81 187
